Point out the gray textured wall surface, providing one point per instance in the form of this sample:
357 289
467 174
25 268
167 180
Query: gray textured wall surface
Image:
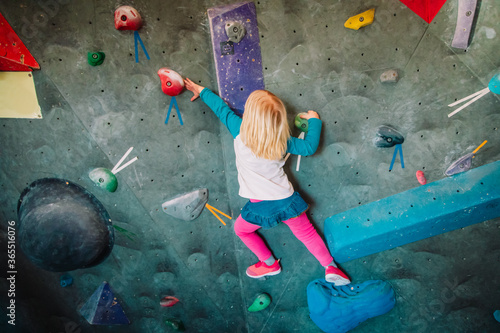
92 115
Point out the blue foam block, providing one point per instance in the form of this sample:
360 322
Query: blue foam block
238 65
340 309
448 204
102 308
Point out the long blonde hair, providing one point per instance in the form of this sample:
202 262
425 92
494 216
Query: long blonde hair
264 128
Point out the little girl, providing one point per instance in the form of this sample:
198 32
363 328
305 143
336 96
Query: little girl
261 140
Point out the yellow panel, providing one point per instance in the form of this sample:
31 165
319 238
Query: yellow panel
18 96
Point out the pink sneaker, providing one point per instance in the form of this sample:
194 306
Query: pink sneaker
260 269
336 276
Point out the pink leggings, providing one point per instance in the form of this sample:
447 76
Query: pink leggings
301 228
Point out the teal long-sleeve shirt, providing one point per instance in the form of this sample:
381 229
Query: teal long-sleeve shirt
305 147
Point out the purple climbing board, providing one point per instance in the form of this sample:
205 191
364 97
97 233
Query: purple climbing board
238 64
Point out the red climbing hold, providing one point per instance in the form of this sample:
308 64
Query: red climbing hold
426 9
14 56
172 83
127 18
168 301
421 177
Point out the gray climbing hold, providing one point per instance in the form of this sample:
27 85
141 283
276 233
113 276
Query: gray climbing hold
389 76
187 206
387 136
465 19
235 31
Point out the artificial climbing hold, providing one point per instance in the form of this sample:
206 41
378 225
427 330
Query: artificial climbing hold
421 177
340 309
172 83
496 315
169 301
464 163
261 302
176 324
62 226
235 31
95 58
387 136
127 18
104 178
494 84
102 308
66 280
360 20
301 123
389 76
187 206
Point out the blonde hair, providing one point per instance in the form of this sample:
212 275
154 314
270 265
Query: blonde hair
264 128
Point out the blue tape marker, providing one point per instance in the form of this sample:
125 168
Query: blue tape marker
173 102
401 155
138 38
397 148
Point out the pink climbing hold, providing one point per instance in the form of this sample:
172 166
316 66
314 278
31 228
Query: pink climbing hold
421 177
127 18
169 301
172 83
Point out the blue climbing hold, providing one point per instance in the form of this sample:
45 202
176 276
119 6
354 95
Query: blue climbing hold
496 314
103 308
340 309
66 280
494 84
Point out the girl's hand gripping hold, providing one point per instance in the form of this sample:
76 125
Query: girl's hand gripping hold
310 114
193 87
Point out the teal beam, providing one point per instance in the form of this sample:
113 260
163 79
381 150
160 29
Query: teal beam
455 202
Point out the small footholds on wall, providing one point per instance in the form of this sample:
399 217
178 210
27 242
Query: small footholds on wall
95 58
175 324
464 163
361 20
387 137
261 302
106 178
235 31
496 315
389 76
169 301
66 280
421 177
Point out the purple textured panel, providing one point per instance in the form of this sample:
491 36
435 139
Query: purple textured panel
238 65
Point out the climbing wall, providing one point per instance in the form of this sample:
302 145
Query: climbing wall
93 114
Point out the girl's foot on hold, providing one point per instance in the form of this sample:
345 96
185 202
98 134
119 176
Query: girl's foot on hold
336 276
260 269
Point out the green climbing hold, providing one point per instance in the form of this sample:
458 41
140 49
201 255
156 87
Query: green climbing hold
301 123
95 58
104 178
176 324
261 302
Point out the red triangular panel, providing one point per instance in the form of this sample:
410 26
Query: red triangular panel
426 9
14 56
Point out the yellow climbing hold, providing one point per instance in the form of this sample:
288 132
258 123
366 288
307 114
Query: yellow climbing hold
360 20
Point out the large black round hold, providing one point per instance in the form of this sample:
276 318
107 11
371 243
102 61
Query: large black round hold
62 226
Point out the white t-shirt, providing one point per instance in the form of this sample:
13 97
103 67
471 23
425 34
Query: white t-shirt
260 178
